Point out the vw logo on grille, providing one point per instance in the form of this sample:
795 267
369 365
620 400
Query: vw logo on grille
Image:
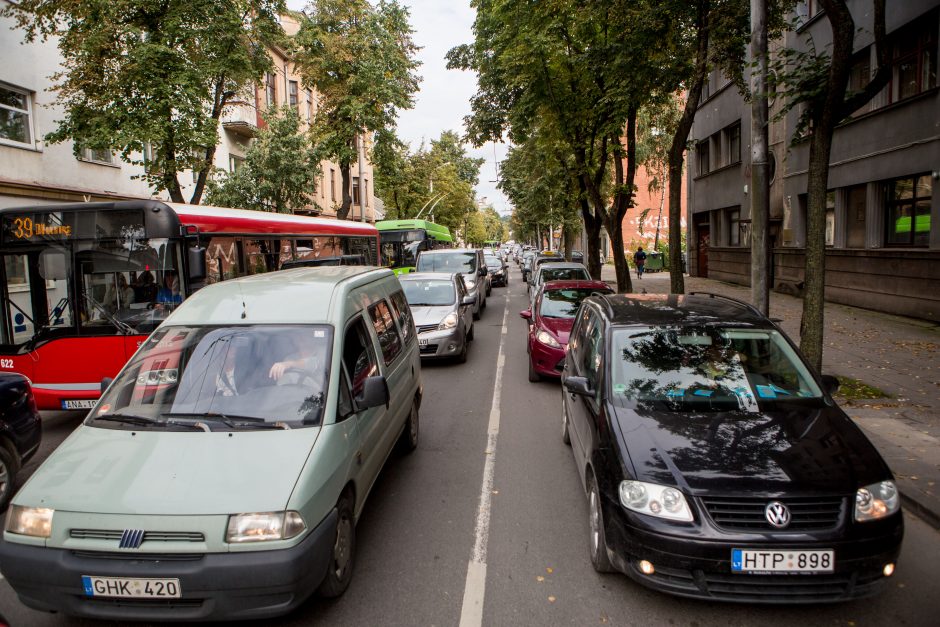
777 514
131 538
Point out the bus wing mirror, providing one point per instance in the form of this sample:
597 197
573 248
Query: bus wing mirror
105 383
197 263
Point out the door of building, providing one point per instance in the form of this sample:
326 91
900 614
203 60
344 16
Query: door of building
702 249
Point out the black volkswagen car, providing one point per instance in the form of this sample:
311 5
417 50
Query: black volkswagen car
20 430
715 462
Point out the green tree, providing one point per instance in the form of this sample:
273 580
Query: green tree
142 73
279 173
361 59
818 80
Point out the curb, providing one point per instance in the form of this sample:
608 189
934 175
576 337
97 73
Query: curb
919 509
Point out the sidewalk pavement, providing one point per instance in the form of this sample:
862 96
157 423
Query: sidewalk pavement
900 356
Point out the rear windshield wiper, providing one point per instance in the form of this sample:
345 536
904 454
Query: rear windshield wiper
233 422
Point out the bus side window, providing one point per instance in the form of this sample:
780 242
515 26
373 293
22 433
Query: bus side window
221 259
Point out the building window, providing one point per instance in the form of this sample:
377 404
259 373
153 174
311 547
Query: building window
235 163
365 190
734 230
97 156
830 218
907 209
292 93
270 89
914 60
309 105
15 116
702 152
733 144
859 76
332 184
355 190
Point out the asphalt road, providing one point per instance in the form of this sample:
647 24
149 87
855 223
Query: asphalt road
419 530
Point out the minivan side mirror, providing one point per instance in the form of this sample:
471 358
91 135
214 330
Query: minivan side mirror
579 385
830 384
374 393
482 271
468 300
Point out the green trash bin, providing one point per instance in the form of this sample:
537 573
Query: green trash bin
654 262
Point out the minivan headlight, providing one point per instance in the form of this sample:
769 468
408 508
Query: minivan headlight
877 500
449 322
655 500
30 521
264 526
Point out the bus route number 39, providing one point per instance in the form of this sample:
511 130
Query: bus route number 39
6 363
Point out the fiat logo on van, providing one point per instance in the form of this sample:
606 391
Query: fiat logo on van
777 514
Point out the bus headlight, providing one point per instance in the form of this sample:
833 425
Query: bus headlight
30 521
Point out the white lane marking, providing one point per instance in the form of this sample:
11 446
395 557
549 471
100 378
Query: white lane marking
471 614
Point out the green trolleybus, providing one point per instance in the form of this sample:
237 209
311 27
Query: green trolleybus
402 240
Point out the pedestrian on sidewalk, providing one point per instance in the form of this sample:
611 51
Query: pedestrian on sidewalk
639 258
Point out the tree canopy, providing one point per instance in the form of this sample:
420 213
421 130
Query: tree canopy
152 78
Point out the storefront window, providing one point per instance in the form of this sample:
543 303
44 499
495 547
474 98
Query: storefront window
907 210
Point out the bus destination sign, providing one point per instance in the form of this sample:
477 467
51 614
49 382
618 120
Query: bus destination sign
20 228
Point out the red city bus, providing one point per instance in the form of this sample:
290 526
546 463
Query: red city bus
83 284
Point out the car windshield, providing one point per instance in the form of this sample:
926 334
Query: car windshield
428 293
706 369
222 378
564 303
447 262
493 262
563 274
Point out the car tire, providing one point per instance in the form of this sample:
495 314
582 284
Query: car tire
565 434
462 356
476 314
7 477
598 537
534 377
408 441
470 334
343 557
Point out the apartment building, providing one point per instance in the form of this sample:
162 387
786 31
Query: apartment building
883 221
34 172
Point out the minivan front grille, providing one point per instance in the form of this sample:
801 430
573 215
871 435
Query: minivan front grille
149 536
811 513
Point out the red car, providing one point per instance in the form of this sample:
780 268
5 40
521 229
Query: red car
550 321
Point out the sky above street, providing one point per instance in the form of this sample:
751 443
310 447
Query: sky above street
444 96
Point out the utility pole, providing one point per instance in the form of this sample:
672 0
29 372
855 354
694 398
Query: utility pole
362 191
760 184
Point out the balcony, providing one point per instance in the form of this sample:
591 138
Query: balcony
240 118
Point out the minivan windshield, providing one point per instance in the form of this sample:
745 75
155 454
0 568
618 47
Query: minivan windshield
428 293
706 369
220 378
447 261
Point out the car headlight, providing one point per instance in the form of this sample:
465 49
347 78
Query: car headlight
655 500
263 527
449 322
30 521
545 338
876 501
469 283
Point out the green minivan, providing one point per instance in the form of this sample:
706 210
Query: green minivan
221 474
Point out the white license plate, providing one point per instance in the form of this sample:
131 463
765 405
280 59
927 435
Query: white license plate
123 587
84 404
422 341
751 561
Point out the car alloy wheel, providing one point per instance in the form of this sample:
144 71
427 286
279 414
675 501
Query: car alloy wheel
599 557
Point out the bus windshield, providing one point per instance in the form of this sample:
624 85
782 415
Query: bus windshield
91 287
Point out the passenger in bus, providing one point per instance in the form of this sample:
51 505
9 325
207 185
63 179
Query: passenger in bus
145 288
118 295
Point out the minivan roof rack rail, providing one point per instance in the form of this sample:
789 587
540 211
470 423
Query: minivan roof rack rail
738 301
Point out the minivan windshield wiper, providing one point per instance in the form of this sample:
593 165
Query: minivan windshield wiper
232 421
146 421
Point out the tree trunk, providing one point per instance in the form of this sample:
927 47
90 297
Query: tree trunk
677 149
622 201
343 212
826 115
592 228
760 183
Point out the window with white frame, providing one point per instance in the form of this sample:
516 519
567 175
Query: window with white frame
16 125
96 155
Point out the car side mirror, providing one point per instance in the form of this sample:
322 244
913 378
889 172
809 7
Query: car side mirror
105 383
526 313
374 393
468 300
830 384
579 385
